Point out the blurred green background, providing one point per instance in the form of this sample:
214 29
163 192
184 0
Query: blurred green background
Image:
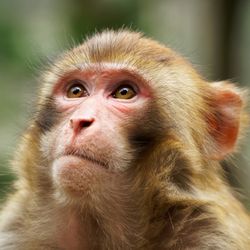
213 34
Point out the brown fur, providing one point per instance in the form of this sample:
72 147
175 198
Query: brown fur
173 195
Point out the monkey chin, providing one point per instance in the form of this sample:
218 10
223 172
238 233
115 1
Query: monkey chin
77 177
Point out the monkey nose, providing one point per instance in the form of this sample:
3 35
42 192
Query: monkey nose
79 123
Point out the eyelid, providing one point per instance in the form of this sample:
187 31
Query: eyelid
73 82
124 83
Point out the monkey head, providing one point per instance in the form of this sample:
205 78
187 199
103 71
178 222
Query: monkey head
120 102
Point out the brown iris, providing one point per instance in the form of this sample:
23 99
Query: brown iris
124 92
77 90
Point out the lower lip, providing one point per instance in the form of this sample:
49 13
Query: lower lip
72 161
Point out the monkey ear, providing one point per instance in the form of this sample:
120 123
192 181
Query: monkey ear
225 120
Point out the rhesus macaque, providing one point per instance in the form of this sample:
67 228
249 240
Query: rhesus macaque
124 152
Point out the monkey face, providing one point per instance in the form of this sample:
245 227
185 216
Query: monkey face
90 141
116 95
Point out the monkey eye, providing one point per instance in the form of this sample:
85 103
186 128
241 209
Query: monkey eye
124 92
77 90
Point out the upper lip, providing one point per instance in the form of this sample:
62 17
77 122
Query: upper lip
84 156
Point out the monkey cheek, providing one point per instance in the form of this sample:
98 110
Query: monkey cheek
77 177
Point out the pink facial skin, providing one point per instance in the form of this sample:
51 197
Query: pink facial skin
93 127
99 106
100 87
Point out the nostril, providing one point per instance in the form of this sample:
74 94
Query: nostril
79 123
84 124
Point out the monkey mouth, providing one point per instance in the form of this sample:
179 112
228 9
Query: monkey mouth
85 157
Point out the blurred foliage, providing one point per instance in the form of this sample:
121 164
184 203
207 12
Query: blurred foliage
213 34
99 15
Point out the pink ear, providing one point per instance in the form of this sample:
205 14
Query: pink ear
224 122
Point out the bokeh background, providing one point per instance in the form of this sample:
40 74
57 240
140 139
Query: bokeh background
213 34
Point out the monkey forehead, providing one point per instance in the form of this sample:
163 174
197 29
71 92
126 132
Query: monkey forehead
125 46
122 50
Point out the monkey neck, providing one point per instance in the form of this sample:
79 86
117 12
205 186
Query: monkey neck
115 223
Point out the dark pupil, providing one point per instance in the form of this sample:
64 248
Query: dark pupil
76 90
124 91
